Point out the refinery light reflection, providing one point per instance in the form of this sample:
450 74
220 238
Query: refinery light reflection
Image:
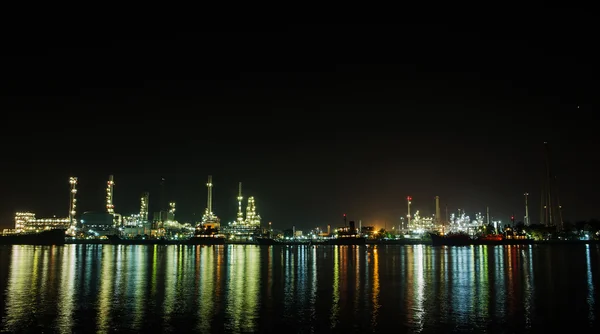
243 289
106 291
206 287
249 288
66 287
590 285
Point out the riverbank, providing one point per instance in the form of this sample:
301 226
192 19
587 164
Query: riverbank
368 242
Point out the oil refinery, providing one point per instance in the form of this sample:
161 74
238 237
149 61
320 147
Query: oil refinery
246 226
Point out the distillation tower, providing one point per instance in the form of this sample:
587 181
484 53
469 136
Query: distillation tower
252 217
209 217
144 201
239 220
72 202
550 208
110 207
172 210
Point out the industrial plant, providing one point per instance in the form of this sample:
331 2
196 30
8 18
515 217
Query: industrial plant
247 226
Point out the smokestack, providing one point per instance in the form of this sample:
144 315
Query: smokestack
438 213
328 229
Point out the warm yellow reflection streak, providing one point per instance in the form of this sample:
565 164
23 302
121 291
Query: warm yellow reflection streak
375 295
106 289
314 280
171 264
20 290
66 290
243 289
42 254
483 300
251 289
154 270
335 307
590 285
206 293
139 278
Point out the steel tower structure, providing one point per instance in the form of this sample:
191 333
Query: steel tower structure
144 201
550 209
110 207
208 216
240 214
252 218
73 201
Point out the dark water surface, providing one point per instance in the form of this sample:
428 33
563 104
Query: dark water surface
285 289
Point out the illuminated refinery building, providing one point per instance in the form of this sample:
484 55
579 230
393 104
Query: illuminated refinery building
245 228
421 224
462 223
138 224
209 219
26 222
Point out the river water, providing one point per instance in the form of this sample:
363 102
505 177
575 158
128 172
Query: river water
299 289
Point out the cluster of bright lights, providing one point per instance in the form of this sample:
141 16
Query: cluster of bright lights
110 208
26 221
421 223
209 217
143 217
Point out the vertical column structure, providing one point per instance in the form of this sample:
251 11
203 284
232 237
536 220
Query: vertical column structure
209 186
438 213
144 201
240 214
408 201
171 215
209 216
72 201
526 209
251 212
110 207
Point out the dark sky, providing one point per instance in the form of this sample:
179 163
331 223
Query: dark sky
316 121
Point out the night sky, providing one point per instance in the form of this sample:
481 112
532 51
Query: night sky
316 121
